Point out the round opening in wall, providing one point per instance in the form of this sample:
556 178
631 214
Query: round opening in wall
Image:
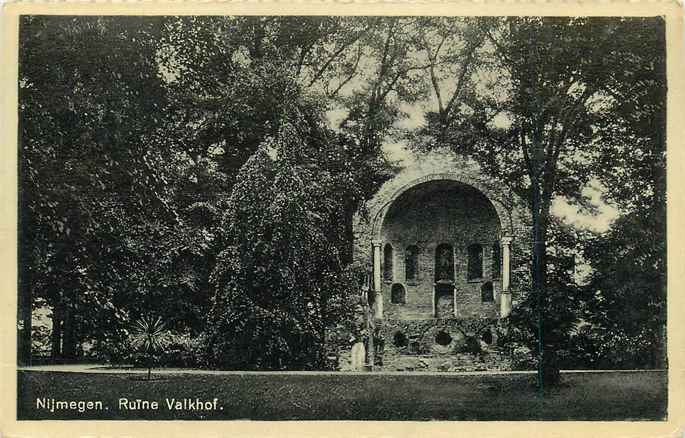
443 338
399 340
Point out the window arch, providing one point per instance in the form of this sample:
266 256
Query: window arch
444 263
411 263
398 294
487 294
496 261
387 262
475 265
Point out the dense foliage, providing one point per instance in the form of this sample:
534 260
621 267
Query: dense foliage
570 104
92 178
202 177
280 281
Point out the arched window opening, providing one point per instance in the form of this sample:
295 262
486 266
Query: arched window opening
444 263
400 340
411 263
486 293
475 265
496 261
387 262
397 294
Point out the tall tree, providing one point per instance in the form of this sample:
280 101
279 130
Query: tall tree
536 131
627 288
89 164
280 283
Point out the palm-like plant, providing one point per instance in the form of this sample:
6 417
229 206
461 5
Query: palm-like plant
149 336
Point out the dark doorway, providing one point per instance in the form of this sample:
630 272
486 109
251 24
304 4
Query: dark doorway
444 301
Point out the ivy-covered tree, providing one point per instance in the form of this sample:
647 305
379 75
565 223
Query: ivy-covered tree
280 283
232 77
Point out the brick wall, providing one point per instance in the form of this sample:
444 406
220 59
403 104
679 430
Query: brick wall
441 199
441 169
423 353
432 214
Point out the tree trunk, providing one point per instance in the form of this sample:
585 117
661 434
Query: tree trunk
26 235
537 279
69 334
548 367
24 338
56 336
551 335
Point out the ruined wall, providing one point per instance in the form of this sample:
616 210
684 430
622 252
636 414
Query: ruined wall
433 168
440 199
442 345
429 215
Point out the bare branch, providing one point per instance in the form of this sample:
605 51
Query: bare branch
384 59
332 58
500 50
351 75
460 82
434 80
304 51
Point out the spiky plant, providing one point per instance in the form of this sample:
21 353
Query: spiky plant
149 335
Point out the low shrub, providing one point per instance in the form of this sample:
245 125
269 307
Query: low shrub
180 350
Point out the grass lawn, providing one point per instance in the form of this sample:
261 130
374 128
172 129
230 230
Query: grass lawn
583 396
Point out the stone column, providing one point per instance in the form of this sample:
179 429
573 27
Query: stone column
435 309
505 296
377 288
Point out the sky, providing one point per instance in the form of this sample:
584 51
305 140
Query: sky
413 117
561 208
570 214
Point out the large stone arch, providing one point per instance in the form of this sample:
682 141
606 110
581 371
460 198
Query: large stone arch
407 212
368 221
388 195
444 175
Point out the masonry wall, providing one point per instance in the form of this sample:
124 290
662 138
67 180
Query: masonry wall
441 198
432 214
431 167
421 352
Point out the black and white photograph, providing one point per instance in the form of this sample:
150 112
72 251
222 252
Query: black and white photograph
387 218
